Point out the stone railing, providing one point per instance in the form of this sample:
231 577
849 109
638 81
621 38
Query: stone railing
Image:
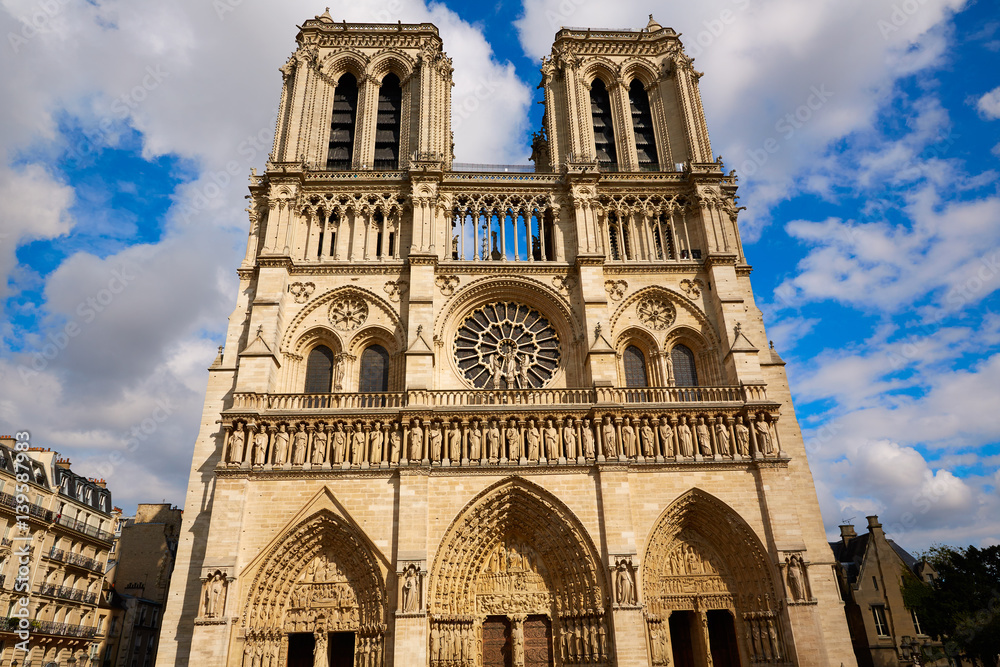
349 401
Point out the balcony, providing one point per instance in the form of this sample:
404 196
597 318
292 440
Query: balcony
84 528
36 511
67 593
76 559
51 628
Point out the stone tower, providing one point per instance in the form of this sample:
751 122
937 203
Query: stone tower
520 417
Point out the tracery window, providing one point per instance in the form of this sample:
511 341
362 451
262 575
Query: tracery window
635 367
390 103
374 375
685 373
642 127
342 123
319 370
604 127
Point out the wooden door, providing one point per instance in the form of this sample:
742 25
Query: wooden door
496 642
538 642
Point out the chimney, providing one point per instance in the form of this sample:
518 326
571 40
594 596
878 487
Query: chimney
63 463
874 527
8 440
99 482
847 534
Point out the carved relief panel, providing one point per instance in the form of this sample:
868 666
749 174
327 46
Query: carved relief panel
323 591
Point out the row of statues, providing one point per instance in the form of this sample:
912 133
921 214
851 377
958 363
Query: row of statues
584 639
453 643
501 441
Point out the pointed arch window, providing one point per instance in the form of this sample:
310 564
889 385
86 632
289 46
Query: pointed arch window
342 123
685 373
635 367
390 104
319 370
374 376
642 127
604 127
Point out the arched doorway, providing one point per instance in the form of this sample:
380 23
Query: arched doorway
319 591
517 581
709 589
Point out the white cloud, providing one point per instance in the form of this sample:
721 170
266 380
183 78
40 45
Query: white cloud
989 104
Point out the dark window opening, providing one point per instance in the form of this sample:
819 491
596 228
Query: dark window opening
374 375
319 370
685 373
635 367
390 103
342 124
604 128
642 127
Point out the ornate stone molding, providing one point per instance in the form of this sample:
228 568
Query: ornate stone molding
616 289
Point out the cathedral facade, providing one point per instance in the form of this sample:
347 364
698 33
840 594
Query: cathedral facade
480 416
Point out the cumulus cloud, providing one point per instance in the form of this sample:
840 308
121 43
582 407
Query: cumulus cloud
989 104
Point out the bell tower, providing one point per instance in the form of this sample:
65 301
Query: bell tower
470 416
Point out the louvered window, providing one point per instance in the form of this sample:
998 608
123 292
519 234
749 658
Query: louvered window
685 373
604 129
342 123
319 370
635 367
390 103
642 126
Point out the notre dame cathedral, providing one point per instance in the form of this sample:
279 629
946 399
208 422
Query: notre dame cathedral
469 416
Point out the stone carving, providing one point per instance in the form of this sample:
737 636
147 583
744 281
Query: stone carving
411 590
493 437
475 441
237 444
655 313
215 595
513 436
647 437
624 582
394 289
585 640
280 446
260 446
357 446
564 284
339 452
551 437
763 437
588 440
692 287
507 346
722 437
532 438
348 313
610 442
375 444
434 441
686 439
615 289
628 439
447 284
704 438
395 443
569 439
299 445
454 443
320 442
416 441
742 437
795 578
301 291
666 437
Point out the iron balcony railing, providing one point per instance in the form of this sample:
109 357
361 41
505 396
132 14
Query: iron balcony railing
86 529
67 593
76 559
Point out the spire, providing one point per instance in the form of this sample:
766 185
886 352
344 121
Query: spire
325 16
653 26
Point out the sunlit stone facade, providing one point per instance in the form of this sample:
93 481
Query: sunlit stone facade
497 416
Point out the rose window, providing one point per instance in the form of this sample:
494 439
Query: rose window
507 346
656 313
348 313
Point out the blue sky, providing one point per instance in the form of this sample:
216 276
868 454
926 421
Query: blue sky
866 135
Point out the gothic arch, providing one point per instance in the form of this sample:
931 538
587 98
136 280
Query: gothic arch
516 549
339 62
321 575
638 68
707 331
646 342
366 337
701 555
391 61
375 303
600 68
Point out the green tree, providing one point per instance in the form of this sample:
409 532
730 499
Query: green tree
962 606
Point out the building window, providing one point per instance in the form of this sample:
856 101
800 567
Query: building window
613 243
390 102
345 106
635 367
642 127
881 626
916 622
319 370
875 582
604 128
685 373
374 374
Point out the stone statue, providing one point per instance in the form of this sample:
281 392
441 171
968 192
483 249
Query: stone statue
517 635
320 440
628 439
236 444
215 595
686 440
513 440
434 439
588 439
260 441
455 443
280 446
375 441
395 443
569 439
411 590
610 442
647 437
795 578
551 437
357 445
532 437
522 372
300 443
475 441
493 436
704 438
742 438
339 444
666 437
624 586
669 364
722 437
763 436
496 370
416 441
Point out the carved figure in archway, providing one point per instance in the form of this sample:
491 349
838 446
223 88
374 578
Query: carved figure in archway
569 439
704 437
321 440
610 439
742 437
416 441
532 437
763 436
236 444
588 440
455 443
624 584
551 437
513 436
647 437
434 440
722 437
215 595
339 444
357 446
411 590
628 439
475 441
280 446
299 445
795 577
